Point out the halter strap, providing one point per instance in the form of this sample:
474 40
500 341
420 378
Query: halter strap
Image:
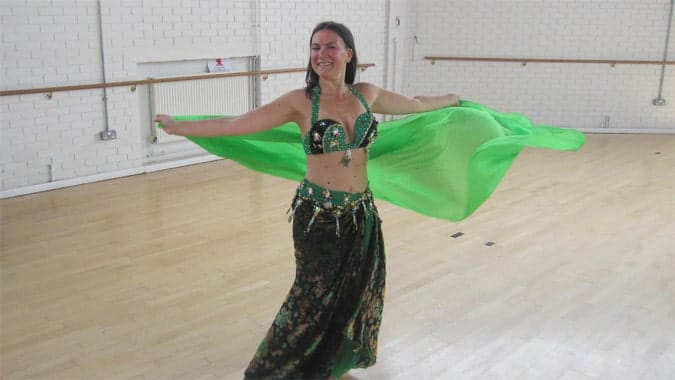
315 104
360 97
315 101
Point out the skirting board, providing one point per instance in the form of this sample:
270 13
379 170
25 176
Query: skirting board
651 131
106 176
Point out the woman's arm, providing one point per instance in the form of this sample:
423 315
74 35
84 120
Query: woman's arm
273 114
388 102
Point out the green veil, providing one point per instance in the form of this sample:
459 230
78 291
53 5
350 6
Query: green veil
443 163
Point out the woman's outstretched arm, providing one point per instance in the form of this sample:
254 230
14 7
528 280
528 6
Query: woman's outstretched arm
270 115
389 102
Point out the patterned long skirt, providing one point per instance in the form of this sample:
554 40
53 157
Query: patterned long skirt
330 319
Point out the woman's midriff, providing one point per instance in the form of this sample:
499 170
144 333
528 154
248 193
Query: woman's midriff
327 170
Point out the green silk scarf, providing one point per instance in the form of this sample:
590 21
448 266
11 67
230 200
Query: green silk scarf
443 163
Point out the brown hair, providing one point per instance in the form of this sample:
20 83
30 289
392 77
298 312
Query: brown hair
312 78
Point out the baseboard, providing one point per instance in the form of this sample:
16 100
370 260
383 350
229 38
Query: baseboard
106 176
652 131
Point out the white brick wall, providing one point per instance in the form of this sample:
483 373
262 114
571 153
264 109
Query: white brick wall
56 42
286 27
571 95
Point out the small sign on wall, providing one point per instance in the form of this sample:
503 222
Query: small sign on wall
219 65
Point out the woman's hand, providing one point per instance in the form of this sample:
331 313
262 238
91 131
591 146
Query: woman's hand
452 99
169 125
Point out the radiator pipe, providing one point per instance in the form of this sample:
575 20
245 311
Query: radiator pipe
659 101
387 57
107 133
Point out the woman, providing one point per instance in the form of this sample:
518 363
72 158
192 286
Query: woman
330 319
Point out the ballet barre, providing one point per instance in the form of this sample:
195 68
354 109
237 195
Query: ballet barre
525 61
133 83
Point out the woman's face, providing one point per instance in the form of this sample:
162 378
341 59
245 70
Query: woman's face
329 55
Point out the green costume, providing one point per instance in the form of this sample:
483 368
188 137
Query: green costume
444 163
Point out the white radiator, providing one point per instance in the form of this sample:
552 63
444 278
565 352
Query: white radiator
217 96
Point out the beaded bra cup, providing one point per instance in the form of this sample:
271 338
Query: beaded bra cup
328 135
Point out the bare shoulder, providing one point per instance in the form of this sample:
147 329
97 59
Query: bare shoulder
296 93
293 101
299 98
299 106
368 90
294 97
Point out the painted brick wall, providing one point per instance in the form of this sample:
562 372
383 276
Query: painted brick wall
286 27
571 95
52 43
56 42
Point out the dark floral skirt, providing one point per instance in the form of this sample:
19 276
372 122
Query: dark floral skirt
330 319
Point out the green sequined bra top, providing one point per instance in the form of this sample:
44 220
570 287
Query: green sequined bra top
327 135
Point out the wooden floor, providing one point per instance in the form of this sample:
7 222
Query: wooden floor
178 274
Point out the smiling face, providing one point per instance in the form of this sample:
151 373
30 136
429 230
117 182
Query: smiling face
329 54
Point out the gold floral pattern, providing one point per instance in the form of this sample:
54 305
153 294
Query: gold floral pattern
330 319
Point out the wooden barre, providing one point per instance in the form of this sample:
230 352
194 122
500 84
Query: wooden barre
134 83
612 62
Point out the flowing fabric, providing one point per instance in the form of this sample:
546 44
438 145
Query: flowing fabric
443 163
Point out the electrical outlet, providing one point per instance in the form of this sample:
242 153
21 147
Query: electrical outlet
659 101
110 134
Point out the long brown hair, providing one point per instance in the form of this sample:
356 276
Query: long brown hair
312 78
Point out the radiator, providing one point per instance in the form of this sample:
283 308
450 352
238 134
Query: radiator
217 96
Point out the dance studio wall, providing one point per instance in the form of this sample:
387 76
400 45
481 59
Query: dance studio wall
587 96
54 142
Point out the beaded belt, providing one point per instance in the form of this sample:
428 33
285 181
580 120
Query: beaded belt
336 203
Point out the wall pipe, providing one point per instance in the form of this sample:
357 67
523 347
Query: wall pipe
107 133
659 101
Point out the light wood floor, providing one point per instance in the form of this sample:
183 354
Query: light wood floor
177 274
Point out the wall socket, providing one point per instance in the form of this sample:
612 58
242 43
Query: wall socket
109 134
659 101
